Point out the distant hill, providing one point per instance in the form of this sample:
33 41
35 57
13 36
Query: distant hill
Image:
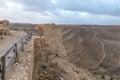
22 25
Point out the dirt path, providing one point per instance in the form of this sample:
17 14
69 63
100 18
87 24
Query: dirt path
9 40
23 69
104 54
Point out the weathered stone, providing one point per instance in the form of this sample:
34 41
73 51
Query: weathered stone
4 28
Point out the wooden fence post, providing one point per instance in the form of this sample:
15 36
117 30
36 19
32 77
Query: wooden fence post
22 42
3 68
29 36
25 39
16 53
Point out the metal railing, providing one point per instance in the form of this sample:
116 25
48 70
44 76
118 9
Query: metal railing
15 48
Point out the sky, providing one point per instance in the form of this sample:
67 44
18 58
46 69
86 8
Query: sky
101 12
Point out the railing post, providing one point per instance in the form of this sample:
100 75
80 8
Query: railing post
26 39
22 42
16 53
28 36
0 68
3 68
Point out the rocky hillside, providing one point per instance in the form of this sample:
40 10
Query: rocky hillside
51 60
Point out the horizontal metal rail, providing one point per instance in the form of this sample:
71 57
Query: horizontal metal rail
16 48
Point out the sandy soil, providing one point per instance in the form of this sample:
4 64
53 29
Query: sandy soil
10 39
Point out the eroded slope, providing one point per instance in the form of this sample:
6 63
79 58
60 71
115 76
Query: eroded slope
51 60
93 47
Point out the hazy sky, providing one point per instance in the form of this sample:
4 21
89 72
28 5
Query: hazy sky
61 11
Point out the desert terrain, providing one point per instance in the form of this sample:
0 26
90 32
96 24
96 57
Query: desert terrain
85 47
95 48
66 52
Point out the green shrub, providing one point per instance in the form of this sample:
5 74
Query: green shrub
111 78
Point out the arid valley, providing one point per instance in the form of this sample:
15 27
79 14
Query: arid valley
65 52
